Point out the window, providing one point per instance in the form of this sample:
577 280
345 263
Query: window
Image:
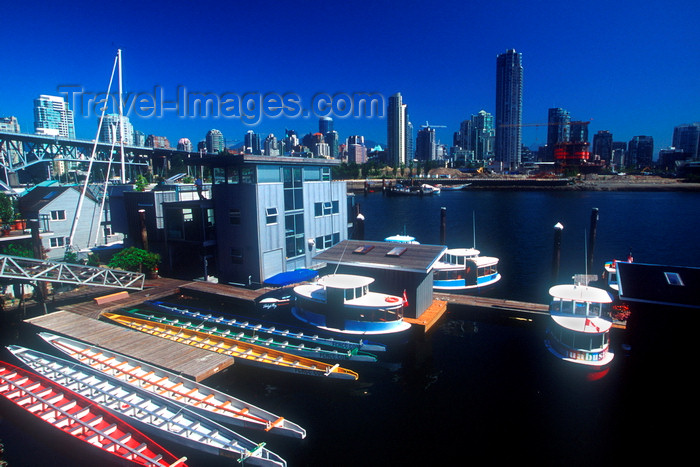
326 208
58 215
293 191
673 278
294 234
363 250
327 241
248 175
325 174
234 216
187 215
56 242
398 251
271 216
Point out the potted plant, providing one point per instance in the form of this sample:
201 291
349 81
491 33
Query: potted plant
136 260
7 209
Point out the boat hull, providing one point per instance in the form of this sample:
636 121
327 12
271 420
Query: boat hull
597 358
348 326
456 285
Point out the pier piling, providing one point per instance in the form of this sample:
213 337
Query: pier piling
591 238
557 251
443 228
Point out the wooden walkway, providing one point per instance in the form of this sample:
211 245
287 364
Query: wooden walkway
503 307
192 362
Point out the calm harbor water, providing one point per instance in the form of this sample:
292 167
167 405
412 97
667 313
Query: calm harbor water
486 392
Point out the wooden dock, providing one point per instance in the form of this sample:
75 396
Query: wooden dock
192 362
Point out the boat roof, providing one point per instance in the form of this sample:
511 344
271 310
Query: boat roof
345 281
581 293
462 251
400 239
383 255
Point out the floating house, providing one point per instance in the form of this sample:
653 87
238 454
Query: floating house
273 214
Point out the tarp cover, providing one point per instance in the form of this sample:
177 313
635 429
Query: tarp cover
291 277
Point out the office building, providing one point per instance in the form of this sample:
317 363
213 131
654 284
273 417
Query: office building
578 132
325 125
619 153
397 137
509 109
426 145
687 139
157 142
641 151
271 146
252 143
603 146
111 130
557 130
184 144
53 117
214 141
356 150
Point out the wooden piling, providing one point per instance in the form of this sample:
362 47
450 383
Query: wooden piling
443 228
557 251
591 237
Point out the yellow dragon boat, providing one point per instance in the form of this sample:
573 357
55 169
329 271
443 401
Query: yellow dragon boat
247 353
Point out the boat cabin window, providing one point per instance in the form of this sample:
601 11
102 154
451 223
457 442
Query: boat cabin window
357 292
580 341
673 278
579 308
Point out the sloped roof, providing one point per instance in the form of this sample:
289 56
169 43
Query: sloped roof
39 196
376 255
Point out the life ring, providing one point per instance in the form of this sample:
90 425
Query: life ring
392 299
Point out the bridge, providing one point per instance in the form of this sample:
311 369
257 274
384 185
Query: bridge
30 269
21 150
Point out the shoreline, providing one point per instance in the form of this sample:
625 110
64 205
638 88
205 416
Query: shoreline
610 183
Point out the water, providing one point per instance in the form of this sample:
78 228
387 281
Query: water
482 393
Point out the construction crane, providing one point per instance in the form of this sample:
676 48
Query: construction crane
428 125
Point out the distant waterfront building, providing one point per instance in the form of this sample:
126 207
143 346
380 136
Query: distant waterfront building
641 151
252 143
426 145
184 144
619 153
687 139
290 141
325 125
557 129
53 117
603 146
578 132
158 142
331 139
668 158
139 138
9 125
396 131
214 141
111 130
509 109
410 146
356 150
271 146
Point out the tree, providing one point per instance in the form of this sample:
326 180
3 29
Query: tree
135 260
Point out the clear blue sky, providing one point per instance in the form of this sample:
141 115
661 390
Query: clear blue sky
632 68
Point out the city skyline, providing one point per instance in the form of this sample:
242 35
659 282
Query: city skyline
624 67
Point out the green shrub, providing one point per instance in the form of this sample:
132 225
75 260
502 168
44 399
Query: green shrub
135 260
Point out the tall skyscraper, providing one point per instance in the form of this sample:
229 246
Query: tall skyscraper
641 151
252 143
687 139
111 130
356 149
603 146
271 146
53 117
184 144
509 108
396 134
325 125
9 125
557 129
426 146
215 141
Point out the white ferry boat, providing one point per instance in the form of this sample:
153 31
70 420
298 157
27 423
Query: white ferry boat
343 303
580 326
462 269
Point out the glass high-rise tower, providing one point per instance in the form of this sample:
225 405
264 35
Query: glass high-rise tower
396 134
53 116
509 108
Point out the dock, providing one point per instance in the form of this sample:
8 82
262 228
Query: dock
194 363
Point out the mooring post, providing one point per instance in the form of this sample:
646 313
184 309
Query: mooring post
359 227
591 237
443 228
557 251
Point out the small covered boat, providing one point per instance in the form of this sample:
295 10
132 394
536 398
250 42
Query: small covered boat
251 336
210 402
462 269
343 303
427 189
580 325
244 352
150 412
78 418
271 329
